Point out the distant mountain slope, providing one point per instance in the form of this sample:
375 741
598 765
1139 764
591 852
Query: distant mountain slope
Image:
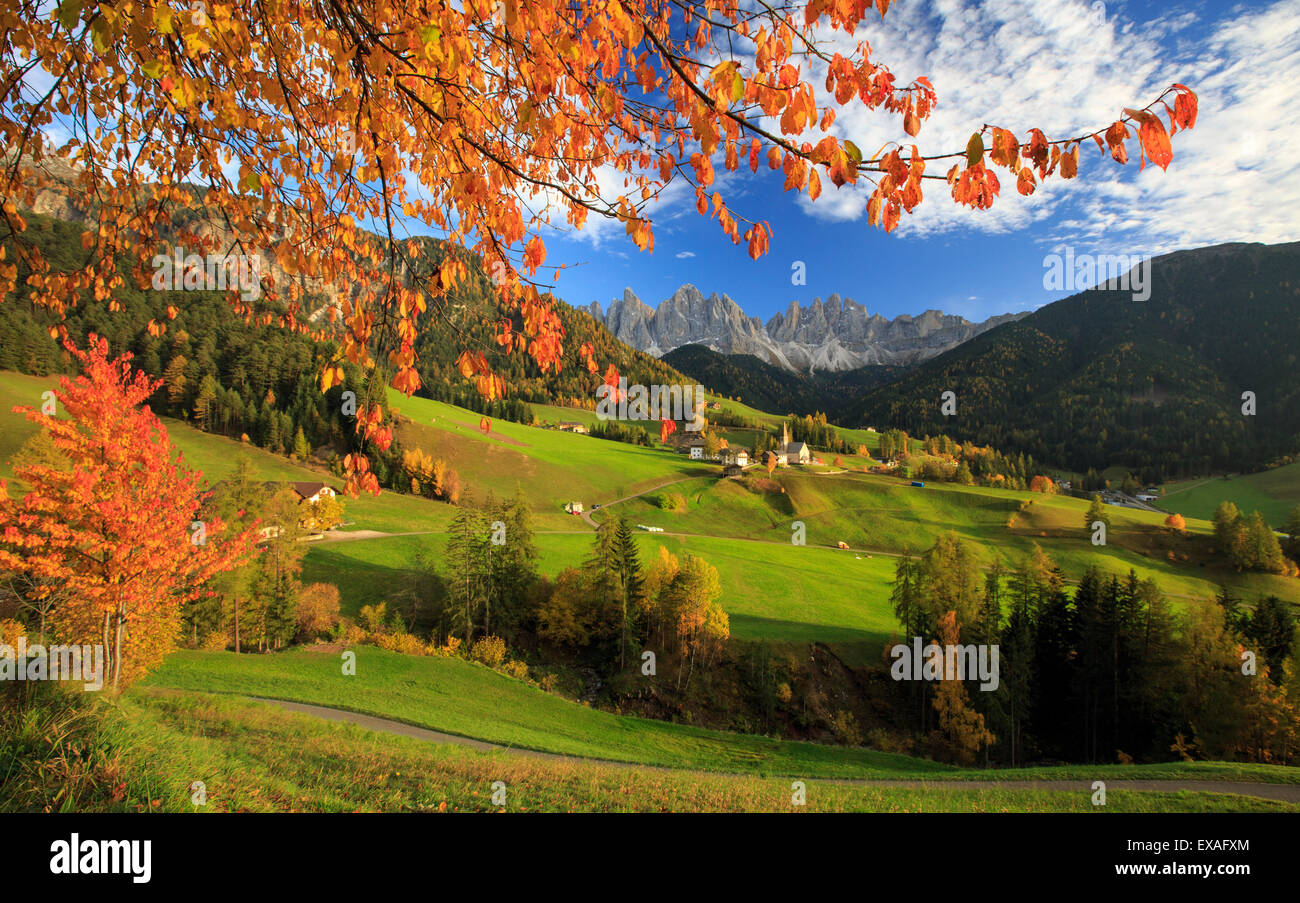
834 335
1098 379
769 387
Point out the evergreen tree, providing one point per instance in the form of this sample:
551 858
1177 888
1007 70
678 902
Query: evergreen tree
467 557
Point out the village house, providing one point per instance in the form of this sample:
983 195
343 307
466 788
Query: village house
573 426
782 460
736 456
693 445
308 493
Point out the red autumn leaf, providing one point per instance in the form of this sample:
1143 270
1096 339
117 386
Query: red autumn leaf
1025 183
1185 107
1154 138
1115 136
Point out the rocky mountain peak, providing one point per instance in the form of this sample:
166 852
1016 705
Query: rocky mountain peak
835 334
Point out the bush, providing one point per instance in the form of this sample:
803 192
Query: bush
216 641
671 501
448 650
490 650
404 643
517 670
373 617
350 633
783 693
318 609
845 728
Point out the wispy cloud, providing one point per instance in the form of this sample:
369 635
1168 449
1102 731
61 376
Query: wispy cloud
1060 66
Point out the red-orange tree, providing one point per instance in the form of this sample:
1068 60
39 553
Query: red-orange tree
116 530
301 121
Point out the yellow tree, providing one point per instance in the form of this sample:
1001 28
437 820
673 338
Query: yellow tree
285 128
961 728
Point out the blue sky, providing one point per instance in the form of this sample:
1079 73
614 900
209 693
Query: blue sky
1063 65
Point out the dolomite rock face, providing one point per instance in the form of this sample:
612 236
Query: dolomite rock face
835 334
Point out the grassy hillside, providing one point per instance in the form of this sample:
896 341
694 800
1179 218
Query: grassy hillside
1275 492
252 757
460 697
550 467
885 514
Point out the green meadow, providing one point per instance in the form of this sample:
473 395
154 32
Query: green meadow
146 752
1275 492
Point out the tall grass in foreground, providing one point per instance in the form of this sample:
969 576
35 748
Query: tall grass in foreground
147 750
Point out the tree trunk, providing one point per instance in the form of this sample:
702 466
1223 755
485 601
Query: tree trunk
117 647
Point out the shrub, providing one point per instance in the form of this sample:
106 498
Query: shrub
450 649
216 641
351 633
318 609
374 616
404 643
490 650
547 682
517 670
783 693
671 501
845 728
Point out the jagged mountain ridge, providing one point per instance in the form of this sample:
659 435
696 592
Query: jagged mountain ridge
835 334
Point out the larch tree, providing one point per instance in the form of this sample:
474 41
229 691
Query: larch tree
116 531
310 132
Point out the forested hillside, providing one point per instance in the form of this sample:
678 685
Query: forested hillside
1100 379
239 378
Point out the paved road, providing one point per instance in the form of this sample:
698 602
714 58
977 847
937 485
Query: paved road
1285 792
587 512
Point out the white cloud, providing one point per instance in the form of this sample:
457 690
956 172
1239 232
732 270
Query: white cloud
683 255
1053 64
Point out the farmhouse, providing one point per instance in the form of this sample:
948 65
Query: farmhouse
573 426
782 459
737 456
307 492
693 445
732 470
